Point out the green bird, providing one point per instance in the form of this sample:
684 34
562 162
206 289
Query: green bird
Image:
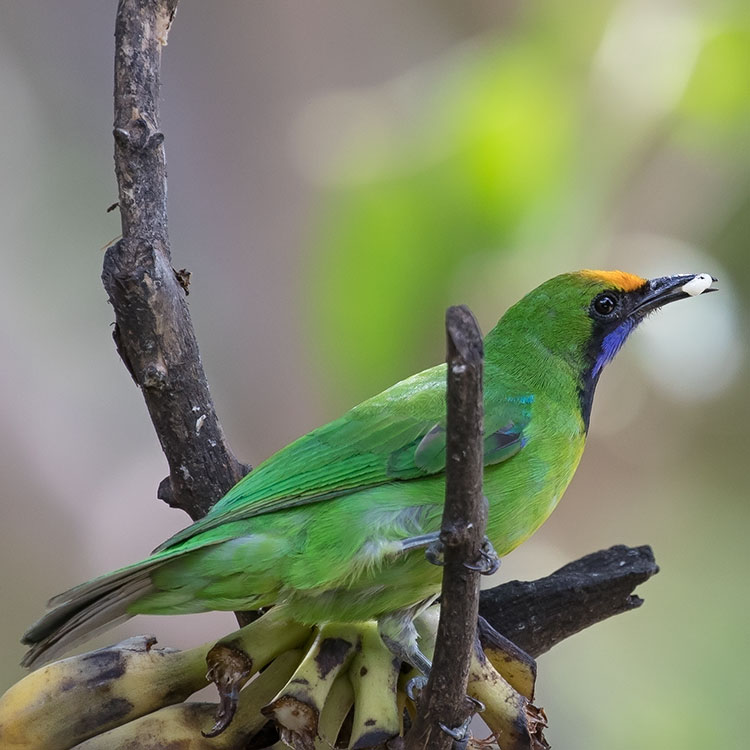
334 526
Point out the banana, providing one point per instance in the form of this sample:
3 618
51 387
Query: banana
235 658
516 723
123 697
68 701
180 726
297 708
374 674
404 705
503 679
172 726
335 711
260 641
513 663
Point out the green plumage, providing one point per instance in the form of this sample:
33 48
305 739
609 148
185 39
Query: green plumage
321 525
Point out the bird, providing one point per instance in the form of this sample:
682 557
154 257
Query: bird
335 525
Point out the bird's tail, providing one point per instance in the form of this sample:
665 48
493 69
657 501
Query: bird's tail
87 609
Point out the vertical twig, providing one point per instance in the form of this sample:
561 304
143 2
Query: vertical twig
153 331
462 534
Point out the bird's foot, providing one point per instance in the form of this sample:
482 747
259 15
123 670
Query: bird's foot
415 687
488 562
461 734
434 552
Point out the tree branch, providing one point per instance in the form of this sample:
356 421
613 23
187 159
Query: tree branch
462 535
153 331
536 615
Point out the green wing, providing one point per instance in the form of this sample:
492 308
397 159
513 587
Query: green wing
397 435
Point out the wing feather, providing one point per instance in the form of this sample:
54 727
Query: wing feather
397 435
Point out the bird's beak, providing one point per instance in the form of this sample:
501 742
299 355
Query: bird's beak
656 293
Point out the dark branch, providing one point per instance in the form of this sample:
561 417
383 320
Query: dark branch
462 535
536 615
153 331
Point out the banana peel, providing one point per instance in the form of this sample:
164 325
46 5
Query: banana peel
64 703
181 726
502 677
513 663
516 723
337 685
336 710
297 708
374 674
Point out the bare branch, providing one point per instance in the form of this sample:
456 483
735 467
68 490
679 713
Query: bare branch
462 535
537 615
153 331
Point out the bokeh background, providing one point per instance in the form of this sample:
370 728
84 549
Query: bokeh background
338 174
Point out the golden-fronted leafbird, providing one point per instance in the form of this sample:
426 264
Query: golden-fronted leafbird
334 525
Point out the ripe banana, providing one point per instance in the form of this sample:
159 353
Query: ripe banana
374 674
261 640
335 711
513 663
516 723
123 697
68 701
180 726
502 678
297 708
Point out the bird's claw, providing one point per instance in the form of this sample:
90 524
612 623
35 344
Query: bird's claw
434 553
488 563
478 705
460 735
415 686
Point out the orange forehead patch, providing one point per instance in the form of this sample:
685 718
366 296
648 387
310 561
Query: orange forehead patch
628 282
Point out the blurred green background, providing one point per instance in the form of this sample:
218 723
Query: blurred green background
339 174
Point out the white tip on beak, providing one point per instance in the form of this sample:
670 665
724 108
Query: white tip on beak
698 284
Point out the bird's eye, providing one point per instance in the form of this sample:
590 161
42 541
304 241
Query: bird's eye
605 304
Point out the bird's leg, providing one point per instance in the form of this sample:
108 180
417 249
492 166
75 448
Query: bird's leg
435 552
433 547
488 562
400 636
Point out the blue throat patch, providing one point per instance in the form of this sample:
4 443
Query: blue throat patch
611 344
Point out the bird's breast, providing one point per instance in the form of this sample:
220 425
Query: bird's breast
523 491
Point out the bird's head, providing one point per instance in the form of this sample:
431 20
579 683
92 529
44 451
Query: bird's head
583 318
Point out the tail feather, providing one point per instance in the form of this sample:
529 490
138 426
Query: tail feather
95 606
84 611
